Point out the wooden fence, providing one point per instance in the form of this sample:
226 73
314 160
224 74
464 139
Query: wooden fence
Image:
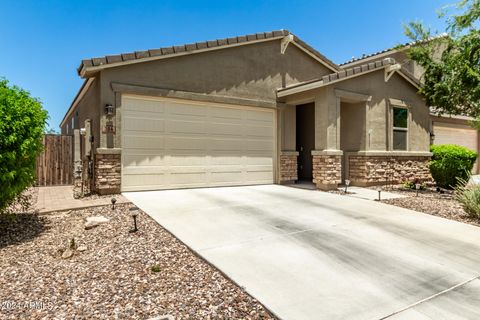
55 163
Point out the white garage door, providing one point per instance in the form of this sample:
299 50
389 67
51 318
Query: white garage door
168 144
449 133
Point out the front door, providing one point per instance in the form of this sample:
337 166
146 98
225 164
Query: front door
305 127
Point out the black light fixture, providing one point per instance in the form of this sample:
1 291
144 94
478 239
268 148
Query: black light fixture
134 213
108 109
379 196
113 203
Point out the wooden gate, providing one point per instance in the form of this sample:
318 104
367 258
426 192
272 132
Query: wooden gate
55 163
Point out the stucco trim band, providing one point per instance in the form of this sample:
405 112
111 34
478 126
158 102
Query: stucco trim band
289 153
390 153
188 95
109 150
327 152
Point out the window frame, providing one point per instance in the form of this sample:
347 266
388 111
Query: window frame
393 128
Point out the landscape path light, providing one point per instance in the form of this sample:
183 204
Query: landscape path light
347 183
113 203
417 187
134 213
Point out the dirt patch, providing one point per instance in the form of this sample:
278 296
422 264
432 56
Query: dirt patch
112 272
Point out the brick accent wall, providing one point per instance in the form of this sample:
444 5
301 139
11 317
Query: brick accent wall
327 171
107 173
378 170
288 168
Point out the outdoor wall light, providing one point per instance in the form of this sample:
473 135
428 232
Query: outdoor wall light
134 214
108 109
113 203
347 183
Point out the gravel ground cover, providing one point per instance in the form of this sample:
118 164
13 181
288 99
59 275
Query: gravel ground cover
430 201
112 273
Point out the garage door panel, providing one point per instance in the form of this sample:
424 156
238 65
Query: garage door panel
144 160
139 124
144 142
143 105
259 116
259 145
187 144
183 126
186 109
226 114
449 133
259 131
224 129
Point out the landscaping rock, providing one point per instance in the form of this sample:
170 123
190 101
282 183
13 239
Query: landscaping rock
67 254
92 222
114 280
82 248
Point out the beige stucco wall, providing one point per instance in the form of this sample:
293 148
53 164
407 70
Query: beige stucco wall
353 126
252 71
88 107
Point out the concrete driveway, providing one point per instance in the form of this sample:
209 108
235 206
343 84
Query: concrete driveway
312 255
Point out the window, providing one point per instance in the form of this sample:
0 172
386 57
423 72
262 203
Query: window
66 131
73 123
400 128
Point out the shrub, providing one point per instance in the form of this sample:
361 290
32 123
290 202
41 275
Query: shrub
22 121
450 164
469 197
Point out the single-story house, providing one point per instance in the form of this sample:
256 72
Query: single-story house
256 109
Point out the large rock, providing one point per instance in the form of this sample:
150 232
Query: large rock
67 254
92 222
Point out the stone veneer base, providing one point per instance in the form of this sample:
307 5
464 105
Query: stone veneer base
288 167
107 173
327 171
379 170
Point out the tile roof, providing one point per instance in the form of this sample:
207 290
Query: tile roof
345 73
400 46
191 47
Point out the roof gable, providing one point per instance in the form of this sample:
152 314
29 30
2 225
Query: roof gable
90 66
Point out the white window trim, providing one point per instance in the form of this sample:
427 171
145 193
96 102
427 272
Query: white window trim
392 128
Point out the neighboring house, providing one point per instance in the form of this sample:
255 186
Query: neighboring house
255 109
446 129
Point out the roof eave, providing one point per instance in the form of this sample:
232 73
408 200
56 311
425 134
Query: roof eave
88 69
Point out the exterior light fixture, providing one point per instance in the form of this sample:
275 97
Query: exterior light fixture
109 110
113 203
134 214
379 195
347 183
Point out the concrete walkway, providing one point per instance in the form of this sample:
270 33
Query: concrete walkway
315 255
60 198
370 194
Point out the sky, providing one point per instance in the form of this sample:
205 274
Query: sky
43 41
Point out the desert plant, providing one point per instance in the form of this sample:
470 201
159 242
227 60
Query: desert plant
469 197
412 185
155 268
450 164
22 122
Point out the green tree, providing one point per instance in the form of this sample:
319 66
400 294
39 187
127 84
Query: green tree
22 122
451 81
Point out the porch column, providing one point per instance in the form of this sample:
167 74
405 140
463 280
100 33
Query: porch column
327 156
